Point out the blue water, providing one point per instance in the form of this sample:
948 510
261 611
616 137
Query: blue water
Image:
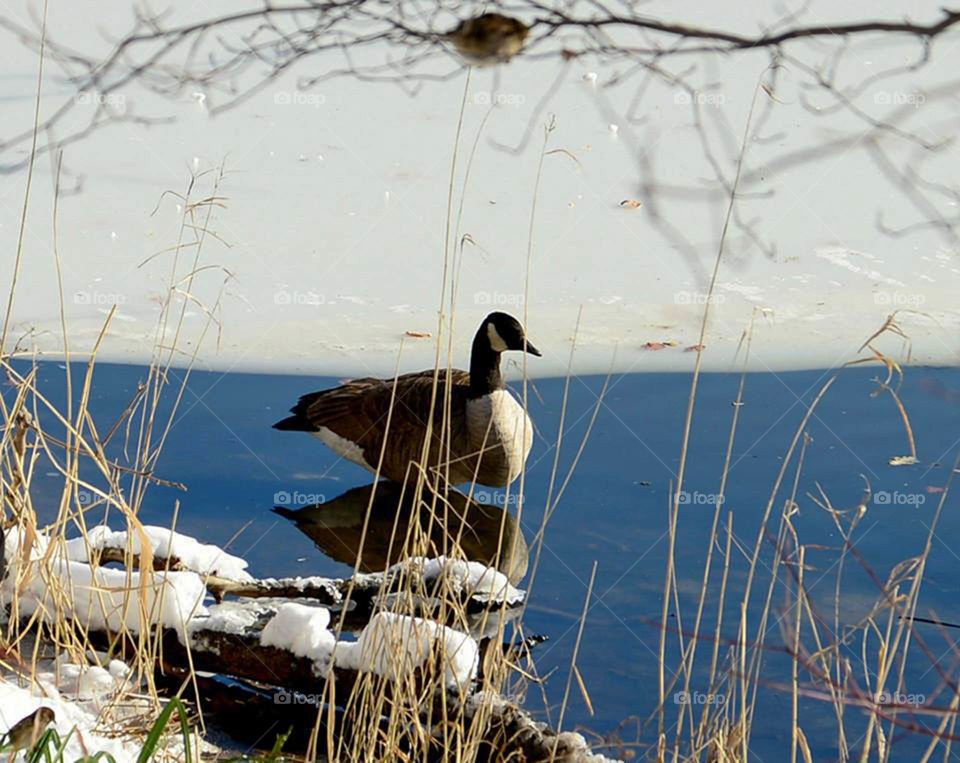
614 512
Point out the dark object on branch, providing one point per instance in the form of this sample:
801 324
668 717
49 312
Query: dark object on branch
276 38
489 39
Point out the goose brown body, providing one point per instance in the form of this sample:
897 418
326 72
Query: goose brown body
487 441
489 434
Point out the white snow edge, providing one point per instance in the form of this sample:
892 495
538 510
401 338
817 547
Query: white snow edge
202 558
476 579
45 580
391 645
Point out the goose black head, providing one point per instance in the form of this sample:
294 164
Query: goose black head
503 332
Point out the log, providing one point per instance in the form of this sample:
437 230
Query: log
330 592
228 643
509 731
251 714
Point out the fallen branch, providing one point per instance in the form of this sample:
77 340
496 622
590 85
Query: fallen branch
509 732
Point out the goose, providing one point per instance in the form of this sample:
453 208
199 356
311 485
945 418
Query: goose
490 432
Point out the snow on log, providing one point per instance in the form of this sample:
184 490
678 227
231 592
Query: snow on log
304 631
43 580
391 645
293 650
226 575
479 584
264 638
101 597
181 551
478 581
395 645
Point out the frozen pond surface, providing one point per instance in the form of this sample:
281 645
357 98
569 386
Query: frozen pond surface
331 243
615 510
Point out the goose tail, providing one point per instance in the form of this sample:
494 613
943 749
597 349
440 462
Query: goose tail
285 513
300 421
295 423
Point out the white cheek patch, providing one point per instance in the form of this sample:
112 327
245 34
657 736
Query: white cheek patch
496 341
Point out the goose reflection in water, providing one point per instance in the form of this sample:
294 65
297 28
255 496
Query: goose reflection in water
484 533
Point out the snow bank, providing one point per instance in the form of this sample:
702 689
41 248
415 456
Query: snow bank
202 558
78 695
17 703
393 645
333 304
48 582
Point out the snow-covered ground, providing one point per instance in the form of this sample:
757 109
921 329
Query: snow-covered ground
76 707
45 580
336 205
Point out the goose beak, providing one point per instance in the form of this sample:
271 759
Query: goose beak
533 350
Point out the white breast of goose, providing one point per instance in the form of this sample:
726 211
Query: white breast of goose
509 427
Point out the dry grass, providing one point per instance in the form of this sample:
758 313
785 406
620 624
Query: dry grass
818 646
412 717
40 435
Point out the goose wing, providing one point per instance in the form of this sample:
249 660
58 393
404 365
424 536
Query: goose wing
357 411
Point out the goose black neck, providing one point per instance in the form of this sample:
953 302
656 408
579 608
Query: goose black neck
484 367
